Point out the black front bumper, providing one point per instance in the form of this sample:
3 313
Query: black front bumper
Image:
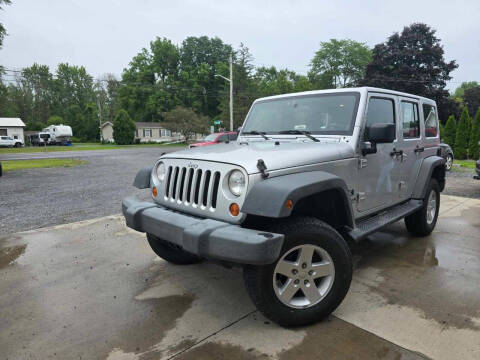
207 238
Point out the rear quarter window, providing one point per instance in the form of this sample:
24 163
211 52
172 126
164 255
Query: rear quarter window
430 120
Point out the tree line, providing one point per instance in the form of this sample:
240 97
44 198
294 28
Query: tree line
176 84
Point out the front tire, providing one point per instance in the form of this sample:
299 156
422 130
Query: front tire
423 221
310 278
170 252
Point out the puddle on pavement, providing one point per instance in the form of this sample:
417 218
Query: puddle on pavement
9 254
209 351
144 333
338 339
332 338
434 274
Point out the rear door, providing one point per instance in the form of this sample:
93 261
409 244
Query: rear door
410 145
378 173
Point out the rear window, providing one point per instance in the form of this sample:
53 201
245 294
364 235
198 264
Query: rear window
430 120
410 120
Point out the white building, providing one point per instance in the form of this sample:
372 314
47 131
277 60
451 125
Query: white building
12 127
144 132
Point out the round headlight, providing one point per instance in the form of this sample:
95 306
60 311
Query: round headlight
236 182
161 171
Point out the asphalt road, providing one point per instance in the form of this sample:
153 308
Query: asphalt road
35 198
95 290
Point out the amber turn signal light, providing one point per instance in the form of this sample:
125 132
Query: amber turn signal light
234 209
289 204
154 191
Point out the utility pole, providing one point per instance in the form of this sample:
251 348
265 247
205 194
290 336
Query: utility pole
230 80
99 118
231 93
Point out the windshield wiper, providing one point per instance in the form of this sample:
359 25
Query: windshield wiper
299 132
254 132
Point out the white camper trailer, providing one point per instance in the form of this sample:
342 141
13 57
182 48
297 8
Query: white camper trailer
59 134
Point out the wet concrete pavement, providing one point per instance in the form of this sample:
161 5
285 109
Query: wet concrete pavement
94 290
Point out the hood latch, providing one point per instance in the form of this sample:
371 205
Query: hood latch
262 168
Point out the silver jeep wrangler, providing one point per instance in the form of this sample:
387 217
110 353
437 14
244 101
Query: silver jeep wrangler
309 173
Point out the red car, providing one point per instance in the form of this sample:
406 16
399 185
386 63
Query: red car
217 138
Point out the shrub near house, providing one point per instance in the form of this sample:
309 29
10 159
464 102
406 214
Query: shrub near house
123 128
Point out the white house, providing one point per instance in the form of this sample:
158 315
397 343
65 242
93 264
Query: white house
12 127
144 131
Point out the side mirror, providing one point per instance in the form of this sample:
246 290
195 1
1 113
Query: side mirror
381 133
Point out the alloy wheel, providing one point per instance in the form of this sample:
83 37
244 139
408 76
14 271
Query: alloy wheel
303 276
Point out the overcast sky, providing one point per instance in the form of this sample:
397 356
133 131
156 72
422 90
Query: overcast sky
104 35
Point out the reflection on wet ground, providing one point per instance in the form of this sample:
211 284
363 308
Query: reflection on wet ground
9 254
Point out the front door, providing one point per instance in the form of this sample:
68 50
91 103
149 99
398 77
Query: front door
377 180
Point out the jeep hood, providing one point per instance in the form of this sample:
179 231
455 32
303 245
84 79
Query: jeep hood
283 155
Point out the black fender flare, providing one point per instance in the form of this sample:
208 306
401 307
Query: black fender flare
268 197
142 179
427 168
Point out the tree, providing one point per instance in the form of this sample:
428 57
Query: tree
3 31
411 62
462 136
344 61
123 128
460 91
186 122
150 83
450 131
106 92
55 120
473 146
471 99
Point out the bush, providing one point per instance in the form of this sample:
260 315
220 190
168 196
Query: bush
450 131
473 146
55 120
462 136
75 139
123 128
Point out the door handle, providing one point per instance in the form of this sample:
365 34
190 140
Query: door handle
396 152
419 149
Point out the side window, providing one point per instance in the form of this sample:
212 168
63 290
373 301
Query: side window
410 120
430 120
223 138
380 110
233 137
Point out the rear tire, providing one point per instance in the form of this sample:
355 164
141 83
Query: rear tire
423 221
170 252
317 288
449 162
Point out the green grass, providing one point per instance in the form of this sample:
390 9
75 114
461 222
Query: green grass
12 165
80 147
467 164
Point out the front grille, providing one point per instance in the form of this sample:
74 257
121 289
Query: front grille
195 187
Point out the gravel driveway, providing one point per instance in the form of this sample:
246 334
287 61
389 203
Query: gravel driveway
460 182
35 198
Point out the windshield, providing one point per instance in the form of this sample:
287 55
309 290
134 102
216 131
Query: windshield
315 114
44 136
211 137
